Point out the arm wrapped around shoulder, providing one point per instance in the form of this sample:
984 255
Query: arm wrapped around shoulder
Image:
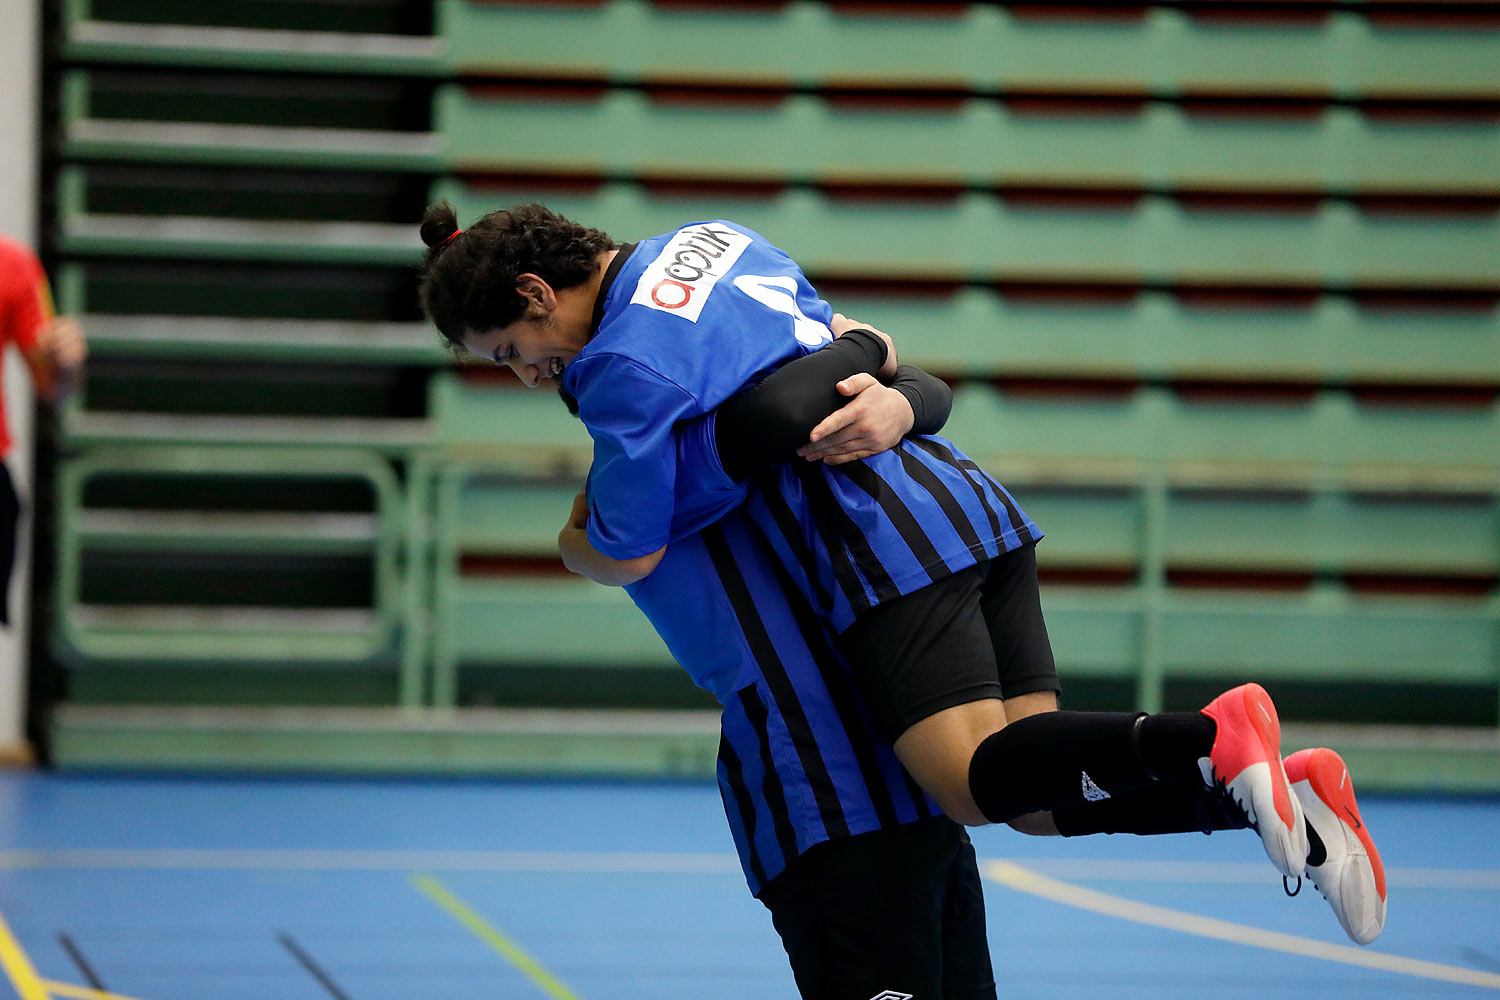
770 421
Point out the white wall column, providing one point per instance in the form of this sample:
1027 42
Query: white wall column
20 124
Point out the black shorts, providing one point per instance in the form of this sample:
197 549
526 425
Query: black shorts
894 912
977 633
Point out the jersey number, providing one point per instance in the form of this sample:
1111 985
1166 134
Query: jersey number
779 292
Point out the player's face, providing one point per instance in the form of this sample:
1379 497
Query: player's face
539 344
535 348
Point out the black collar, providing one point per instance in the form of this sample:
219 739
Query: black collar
625 250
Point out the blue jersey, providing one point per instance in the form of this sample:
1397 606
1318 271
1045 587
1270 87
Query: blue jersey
686 321
744 599
799 759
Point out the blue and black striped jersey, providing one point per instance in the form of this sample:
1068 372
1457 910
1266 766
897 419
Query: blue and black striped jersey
686 321
749 592
854 535
799 759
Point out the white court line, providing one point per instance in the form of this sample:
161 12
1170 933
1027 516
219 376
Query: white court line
318 859
1024 880
1006 873
250 859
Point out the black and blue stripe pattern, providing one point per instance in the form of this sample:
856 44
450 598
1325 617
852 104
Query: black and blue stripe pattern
799 761
853 536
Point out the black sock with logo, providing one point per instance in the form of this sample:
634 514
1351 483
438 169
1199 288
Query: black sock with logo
1165 807
1053 760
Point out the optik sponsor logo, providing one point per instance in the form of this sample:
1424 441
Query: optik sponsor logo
680 279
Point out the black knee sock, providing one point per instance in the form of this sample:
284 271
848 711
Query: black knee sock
1172 742
1165 807
1054 760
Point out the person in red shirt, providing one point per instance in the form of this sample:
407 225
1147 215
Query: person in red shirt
53 348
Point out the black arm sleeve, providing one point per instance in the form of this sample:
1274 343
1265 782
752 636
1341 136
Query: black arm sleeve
770 421
930 398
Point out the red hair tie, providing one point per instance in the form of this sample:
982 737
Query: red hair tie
450 238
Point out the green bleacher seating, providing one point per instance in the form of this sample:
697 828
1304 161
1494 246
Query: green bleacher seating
977 238
105 429
225 239
531 622
367 17
977 333
90 135
1220 297
236 212
127 628
210 35
1335 528
1157 337
1327 636
1328 439
979 142
239 290
119 234
509 461
264 339
502 515
1225 638
244 193
1146 484
508 427
980 47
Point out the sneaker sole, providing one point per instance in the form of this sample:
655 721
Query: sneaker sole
1328 781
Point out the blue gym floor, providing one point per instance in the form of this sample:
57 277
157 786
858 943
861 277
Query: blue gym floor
233 889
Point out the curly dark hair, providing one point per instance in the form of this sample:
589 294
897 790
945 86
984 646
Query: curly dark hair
469 282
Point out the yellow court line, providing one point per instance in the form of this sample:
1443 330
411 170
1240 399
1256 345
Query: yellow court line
18 967
482 929
1025 880
74 992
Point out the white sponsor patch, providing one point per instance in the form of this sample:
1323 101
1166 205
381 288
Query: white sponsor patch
680 279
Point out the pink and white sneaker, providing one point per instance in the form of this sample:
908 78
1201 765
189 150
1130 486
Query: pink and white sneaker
1343 863
1246 760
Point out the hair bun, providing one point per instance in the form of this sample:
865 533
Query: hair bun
439 223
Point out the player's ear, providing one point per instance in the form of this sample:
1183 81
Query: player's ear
535 290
